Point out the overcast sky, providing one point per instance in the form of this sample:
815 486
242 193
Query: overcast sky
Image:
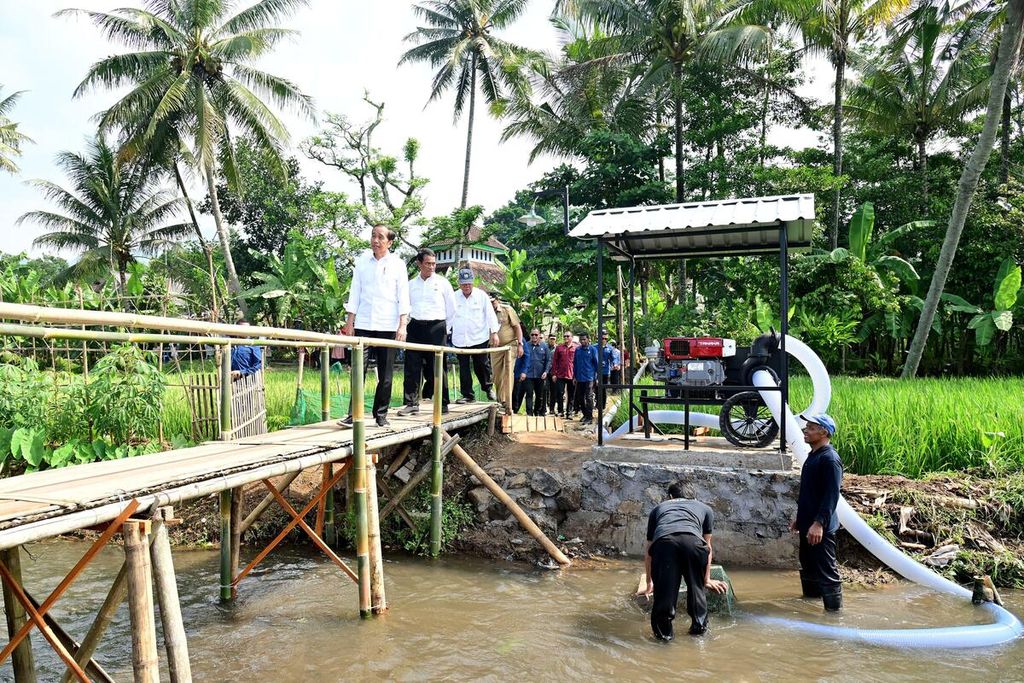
345 47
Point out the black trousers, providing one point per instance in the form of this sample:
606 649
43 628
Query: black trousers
819 571
518 393
676 558
585 399
420 364
535 400
481 368
562 399
385 359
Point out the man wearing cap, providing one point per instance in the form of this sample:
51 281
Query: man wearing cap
474 326
431 304
378 307
816 519
510 333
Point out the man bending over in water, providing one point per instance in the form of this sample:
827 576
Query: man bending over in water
679 548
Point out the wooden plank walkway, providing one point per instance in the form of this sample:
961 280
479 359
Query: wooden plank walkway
47 503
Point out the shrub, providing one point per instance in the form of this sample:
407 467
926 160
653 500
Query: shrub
126 393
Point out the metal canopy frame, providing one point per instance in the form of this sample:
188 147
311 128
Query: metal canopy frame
649 243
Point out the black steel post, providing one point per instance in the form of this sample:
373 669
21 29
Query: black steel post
784 296
600 342
565 209
632 341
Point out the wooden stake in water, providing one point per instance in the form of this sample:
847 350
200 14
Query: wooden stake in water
359 481
330 531
437 471
378 601
226 591
22 660
145 661
175 641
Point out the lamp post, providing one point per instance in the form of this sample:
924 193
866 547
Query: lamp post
533 218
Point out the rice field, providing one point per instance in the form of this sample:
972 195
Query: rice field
915 427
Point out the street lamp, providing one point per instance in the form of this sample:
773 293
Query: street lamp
531 219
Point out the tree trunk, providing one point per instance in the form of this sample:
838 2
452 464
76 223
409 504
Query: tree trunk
225 243
469 132
677 97
922 165
1009 43
1004 142
837 142
644 275
207 249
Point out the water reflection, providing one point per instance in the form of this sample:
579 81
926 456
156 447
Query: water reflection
297 620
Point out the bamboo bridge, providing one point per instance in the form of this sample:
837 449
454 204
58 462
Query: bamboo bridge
134 497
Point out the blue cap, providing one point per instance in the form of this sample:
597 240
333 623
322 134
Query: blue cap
465 276
823 420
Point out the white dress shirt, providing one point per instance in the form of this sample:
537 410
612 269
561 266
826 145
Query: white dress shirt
379 293
474 321
431 299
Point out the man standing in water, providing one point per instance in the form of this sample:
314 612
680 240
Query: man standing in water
679 549
816 519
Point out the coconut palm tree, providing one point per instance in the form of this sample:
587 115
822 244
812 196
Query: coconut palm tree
928 81
191 82
11 138
831 28
1009 49
114 212
459 42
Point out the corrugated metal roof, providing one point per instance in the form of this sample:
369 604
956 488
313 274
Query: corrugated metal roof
729 227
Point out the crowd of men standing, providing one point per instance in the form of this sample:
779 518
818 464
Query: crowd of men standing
426 309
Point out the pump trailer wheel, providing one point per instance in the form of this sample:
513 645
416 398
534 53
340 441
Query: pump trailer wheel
746 421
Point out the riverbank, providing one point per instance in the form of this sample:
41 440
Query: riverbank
961 524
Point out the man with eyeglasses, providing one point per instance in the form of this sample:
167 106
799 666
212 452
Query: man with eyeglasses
432 308
549 384
561 370
816 520
537 374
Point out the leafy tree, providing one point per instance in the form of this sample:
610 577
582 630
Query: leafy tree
191 80
832 29
113 213
1004 298
459 42
11 139
1009 47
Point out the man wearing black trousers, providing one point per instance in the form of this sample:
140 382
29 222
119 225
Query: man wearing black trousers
432 309
474 326
679 549
378 308
816 520
537 370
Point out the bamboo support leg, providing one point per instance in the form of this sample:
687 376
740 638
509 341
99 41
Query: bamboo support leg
145 661
492 418
175 640
437 469
22 659
115 596
268 499
330 523
359 481
237 495
399 508
499 493
226 575
378 601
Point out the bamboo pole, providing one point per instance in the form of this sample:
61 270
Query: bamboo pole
225 545
145 661
513 507
359 481
330 531
267 500
378 601
175 640
437 470
237 495
225 393
22 660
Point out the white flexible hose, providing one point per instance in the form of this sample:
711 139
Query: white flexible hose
1006 627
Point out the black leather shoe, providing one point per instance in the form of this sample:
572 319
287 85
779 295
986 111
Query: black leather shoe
345 422
382 421
444 409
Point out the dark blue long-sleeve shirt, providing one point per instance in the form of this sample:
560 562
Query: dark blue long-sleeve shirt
246 359
522 362
540 360
585 364
820 479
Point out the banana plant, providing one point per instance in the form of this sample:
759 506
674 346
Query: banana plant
876 253
985 323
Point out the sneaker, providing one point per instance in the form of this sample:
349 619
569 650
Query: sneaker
382 421
408 410
491 396
464 400
345 422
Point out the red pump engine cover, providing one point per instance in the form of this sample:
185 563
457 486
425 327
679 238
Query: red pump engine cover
687 348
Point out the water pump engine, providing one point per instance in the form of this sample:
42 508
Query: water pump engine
691 361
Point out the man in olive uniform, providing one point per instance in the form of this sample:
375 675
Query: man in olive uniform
510 331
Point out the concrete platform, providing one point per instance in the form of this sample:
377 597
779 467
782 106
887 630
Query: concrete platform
705 451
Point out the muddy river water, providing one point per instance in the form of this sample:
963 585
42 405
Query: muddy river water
296 619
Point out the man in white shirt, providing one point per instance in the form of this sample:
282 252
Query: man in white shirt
378 307
474 327
430 319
